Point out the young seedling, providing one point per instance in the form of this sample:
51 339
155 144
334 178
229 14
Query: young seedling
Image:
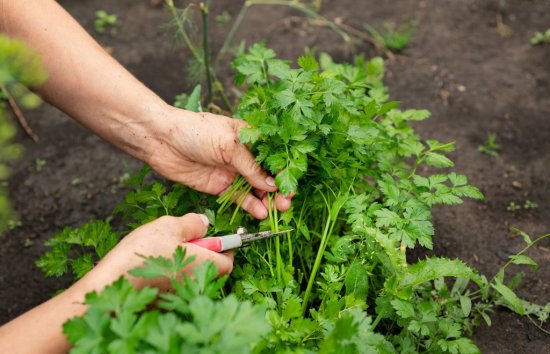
530 205
223 18
491 146
392 37
541 38
39 164
527 205
513 207
105 22
14 223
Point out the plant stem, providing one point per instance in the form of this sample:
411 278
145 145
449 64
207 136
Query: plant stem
181 30
233 31
316 264
183 33
232 193
274 223
304 9
540 238
376 321
292 4
206 50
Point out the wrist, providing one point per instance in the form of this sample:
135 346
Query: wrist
172 129
145 131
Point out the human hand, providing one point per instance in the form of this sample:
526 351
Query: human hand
203 151
157 238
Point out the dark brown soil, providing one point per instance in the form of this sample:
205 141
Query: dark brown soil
460 65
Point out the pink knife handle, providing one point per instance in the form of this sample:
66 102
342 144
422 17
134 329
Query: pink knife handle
211 243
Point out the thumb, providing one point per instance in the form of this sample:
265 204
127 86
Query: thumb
244 162
191 226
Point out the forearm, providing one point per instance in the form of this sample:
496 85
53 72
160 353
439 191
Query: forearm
40 330
85 81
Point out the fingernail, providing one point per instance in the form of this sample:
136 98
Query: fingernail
204 219
270 181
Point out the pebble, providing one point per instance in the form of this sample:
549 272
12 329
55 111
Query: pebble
517 185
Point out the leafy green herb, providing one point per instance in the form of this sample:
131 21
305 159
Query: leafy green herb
122 319
341 281
78 249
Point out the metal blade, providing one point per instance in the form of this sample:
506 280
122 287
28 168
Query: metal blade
254 236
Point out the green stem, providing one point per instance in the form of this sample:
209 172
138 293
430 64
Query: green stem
242 196
181 30
307 11
376 321
232 193
540 238
183 33
274 223
292 4
233 31
316 264
206 51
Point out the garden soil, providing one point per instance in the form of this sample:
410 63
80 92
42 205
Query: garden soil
470 63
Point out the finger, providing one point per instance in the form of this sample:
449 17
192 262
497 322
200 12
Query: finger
282 202
223 261
191 226
243 161
254 206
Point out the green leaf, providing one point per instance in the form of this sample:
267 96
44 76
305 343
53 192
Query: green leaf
276 162
155 267
357 281
403 308
308 62
249 135
435 268
470 192
522 259
509 296
416 114
438 146
523 234
82 265
285 98
466 305
437 160
194 101
386 218
286 181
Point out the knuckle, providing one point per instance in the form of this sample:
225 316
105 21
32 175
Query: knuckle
165 219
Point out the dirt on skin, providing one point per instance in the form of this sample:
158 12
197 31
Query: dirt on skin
470 63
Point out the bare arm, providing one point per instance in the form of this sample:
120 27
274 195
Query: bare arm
199 150
84 81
